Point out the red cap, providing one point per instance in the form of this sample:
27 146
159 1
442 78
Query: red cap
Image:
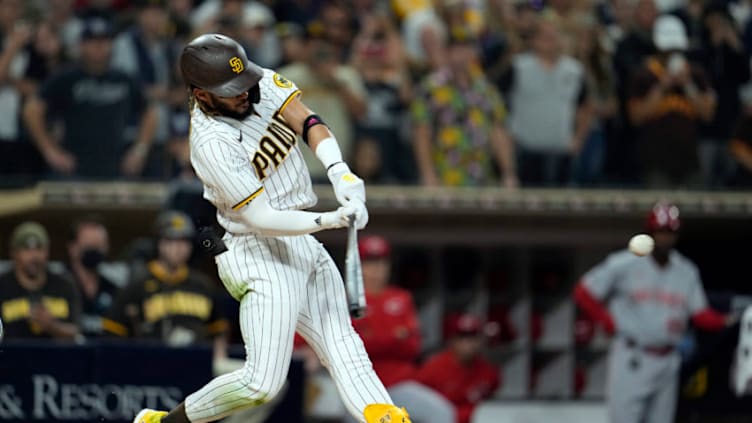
463 324
373 247
663 216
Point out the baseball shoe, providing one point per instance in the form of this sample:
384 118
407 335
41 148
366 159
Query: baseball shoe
148 415
385 413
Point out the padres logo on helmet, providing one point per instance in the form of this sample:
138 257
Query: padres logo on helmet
236 64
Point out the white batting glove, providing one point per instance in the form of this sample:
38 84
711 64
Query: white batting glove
339 218
346 185
361 213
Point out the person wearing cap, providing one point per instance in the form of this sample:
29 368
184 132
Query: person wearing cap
108 124
461 148
35 303
669 98
391 334
646 303
172 302
460 372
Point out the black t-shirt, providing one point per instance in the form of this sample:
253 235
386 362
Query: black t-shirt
97 112
93 309
58 295
668 141
178 309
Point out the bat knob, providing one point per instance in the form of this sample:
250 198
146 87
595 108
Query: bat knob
357 313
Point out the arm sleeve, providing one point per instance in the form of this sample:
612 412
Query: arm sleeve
272 222
709 319
595 309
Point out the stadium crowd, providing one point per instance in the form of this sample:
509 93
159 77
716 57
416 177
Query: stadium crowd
620 93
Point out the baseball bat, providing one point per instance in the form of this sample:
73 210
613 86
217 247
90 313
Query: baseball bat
356 295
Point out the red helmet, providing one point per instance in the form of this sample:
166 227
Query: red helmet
663 216
373 247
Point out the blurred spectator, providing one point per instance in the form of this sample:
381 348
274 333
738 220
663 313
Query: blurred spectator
96 105
334 88
337 25
45 56
142 52
299 12
460 372
15 34
382 154
458 117
669 99
630 54
258 36
549 116
34 302
723 58
291 42
172 302
88 246
590 51
391 334
63 19
423 32
740 147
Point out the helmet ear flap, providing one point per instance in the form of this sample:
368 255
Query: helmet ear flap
254 94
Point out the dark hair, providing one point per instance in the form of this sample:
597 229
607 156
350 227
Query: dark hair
89 219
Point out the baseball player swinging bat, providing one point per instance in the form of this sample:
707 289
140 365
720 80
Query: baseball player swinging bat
356 295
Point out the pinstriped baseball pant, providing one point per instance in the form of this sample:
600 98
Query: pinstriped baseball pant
286 284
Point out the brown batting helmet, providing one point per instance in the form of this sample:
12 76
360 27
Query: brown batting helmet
218 64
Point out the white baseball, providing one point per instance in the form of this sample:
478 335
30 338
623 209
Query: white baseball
641 244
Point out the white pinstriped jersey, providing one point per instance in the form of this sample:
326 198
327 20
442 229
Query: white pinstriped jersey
237 160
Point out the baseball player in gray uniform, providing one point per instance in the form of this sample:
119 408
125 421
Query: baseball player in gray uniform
646 303
245 123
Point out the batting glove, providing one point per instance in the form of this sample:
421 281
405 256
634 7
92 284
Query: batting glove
346 185
361 213
339 218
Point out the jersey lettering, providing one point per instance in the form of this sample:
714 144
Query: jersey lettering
274 146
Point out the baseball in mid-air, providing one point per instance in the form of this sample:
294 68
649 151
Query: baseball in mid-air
641 244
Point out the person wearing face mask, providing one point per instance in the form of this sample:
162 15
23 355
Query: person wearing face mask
88 245
35 303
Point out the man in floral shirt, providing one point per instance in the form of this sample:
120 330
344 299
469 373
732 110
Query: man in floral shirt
458 119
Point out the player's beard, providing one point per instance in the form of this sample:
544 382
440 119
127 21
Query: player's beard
224 110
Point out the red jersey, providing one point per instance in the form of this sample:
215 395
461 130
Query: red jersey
391 334
464 386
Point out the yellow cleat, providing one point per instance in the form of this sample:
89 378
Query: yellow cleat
148 415
385 413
